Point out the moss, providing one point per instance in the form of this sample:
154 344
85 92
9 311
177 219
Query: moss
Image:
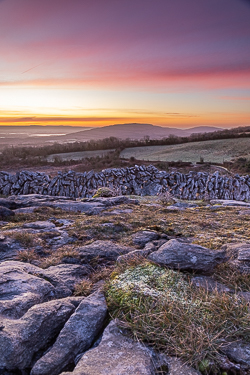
162 308
103 192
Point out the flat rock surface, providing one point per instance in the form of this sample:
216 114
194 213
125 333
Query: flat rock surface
116 354
21 339
77 336
106 250
185 256
230 203
22 286
239 353
40 225
9 248
66 274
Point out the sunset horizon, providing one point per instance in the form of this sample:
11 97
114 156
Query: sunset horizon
96 64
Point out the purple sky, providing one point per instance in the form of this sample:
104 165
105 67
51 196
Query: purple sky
102 62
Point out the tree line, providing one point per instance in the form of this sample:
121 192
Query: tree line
37 155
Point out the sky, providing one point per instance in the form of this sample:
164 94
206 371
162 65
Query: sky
101 62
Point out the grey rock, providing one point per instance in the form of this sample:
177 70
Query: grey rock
230 203
5 202
22 339
116 354
142 237
22 286
133 255
77 336
174 208
5 213
210 285
238 352
239 256
177 367
103 250
66 274
25 210
185 256
9 248
40 225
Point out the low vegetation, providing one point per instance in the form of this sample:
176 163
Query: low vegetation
162 308
215 147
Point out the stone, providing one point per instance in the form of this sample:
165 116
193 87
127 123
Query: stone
22 286
77 336
116 354
25 210
102 250
136 254
239 256
5 213
140 238
177 367
66 274
22 339
40 225
186 256
230 203
238 352
9 248
210 285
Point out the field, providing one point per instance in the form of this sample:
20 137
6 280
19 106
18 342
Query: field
78 155
215 151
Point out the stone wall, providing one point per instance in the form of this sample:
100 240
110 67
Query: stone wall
139 180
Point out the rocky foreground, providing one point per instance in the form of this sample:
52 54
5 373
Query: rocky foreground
75 274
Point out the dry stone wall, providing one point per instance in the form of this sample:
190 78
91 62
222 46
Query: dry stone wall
139 180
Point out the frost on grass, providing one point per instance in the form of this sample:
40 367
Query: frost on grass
162 307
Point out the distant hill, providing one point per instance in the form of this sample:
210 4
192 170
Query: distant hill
36 135
134 131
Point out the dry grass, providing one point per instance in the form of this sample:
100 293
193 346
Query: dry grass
56 257
228 275
84 288
163 309
27 256
24 238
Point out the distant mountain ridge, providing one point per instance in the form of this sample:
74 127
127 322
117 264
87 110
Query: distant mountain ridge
37 135
135 131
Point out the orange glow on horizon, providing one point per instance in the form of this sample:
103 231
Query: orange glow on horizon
226 120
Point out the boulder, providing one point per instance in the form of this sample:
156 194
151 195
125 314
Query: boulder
22 286
77 336
103 250
117 354
22 339
142 237
5 212
186 256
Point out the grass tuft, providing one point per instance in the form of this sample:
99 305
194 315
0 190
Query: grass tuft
162 308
